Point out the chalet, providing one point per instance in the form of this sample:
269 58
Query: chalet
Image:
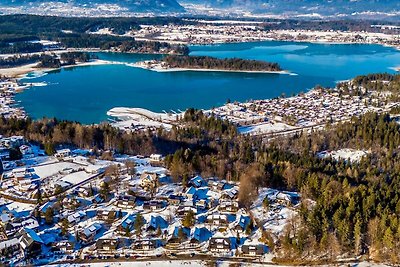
195 194
108 246
254 250
147 244
76 217
30 242
174 200
229 206
197 182
148 180
127 224
183 210
157 222
87 235
175 238
200 235
106 215
220 244
26 151
217 219
14 226
230 194
63 153
242 223
217 185
155 159
126 202
154 204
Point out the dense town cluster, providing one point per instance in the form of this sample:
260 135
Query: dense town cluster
314 108
73 205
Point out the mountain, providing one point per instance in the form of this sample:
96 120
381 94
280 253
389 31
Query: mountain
307 7
159 6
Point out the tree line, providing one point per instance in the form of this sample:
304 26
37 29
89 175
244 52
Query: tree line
205 62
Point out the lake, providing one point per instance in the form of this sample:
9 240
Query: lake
85 94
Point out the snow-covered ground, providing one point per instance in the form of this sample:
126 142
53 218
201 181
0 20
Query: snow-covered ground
266 127
352 155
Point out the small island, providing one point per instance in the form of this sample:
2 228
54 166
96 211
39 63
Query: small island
205 63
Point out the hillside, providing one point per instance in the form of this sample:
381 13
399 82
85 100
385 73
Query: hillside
100 5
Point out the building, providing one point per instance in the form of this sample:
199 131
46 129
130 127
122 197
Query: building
107 246
126 202
30 242
148 180
220 244
87 235
254 250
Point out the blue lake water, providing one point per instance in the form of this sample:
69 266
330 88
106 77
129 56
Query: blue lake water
85 94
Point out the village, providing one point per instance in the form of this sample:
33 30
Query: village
197 32
74 206
316 108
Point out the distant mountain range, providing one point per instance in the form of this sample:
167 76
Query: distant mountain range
130 5
305 8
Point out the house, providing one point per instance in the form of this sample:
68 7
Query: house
197 182
87 235
30 242
63 153
148 180
154 204
230 194
217 219
242 223
147 244
200 235
126 202
26 151
175 238
183 210
106 215
127 224
155 158
220 244
157 222
175 200
254 249
108 246
229 206
195 194
14 226
217 185
76 217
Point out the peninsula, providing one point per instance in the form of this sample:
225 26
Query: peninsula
206 63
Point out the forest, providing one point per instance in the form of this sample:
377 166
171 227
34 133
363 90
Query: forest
46 60
17 30
205 62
